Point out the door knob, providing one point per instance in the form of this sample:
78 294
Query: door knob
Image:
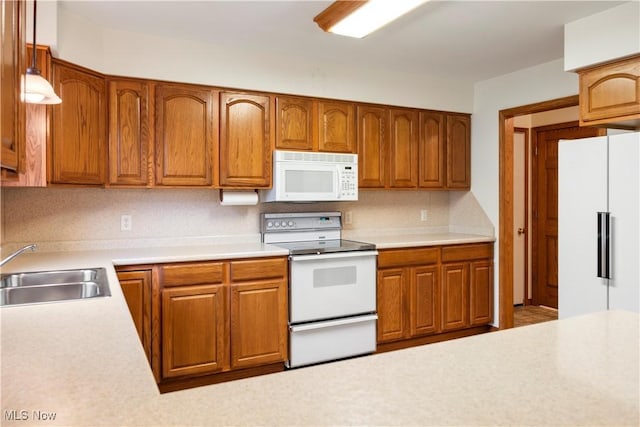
520 230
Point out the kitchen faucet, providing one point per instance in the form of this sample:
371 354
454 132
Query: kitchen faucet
18 252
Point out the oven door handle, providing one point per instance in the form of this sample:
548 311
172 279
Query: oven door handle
333 255
332 323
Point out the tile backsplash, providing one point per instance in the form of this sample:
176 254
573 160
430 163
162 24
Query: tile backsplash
50 216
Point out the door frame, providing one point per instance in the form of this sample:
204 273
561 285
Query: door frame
527 208
505 241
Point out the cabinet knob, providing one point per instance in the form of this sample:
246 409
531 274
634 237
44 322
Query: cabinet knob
520 230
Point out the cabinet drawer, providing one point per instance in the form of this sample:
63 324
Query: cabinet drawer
258 269
406 257
467 252
192 274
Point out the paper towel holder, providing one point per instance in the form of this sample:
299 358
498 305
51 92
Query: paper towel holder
238 197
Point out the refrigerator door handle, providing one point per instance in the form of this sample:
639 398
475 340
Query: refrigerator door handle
604 233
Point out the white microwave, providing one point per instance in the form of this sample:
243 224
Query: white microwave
300 176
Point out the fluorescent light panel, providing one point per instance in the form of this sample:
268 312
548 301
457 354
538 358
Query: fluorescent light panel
371 16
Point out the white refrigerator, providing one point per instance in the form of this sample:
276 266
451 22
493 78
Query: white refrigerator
598 224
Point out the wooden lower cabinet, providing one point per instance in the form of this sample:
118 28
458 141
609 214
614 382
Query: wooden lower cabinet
136 287
407 293
433 293
212 321
193 330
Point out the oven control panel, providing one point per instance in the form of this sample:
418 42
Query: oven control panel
272 222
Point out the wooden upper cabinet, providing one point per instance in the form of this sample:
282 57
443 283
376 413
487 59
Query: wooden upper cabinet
336 127
34 172
129 139
12 60
431 151
78 149
294 123
185 134
245 140
372 146
458 151
610 94
403 148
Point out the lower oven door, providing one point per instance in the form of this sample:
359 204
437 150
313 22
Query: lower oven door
332 285
332 339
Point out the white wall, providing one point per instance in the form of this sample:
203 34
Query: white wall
117 52
605 36
535 84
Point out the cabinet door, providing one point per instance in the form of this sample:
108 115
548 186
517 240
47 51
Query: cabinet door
194 339
258 323
458 152
128 132
372 146
431 150
455 296
391 304
336 131
425 300
78 147
136 287
245 141
12 110
403 148
481 292
611 93
294 123
186 135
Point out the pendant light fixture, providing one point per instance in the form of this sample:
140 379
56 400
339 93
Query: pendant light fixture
359 18
35 88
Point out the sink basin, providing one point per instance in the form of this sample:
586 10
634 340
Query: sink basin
50 286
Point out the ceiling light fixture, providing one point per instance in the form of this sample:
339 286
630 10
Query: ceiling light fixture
35 88
359 18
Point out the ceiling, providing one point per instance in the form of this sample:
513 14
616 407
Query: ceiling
465 40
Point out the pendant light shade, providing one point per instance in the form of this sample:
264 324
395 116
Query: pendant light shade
35 89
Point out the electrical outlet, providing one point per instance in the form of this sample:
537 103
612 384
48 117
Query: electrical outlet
348 217
125 223
423 215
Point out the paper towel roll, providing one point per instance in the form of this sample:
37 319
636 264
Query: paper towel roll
238 198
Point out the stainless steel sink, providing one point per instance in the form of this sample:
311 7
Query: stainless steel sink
50 286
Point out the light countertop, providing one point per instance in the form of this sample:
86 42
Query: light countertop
393 240
82 360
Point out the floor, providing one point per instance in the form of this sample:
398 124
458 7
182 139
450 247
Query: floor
529 314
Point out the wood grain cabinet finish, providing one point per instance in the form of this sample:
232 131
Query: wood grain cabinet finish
458 148
245 140
408 289
185 134
610 94
431 151
136 287
336 126
78 149
258 312
129 138
221 317
403 148
12 61
426 292
193 330
34 172
294 123
372 136
467 286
